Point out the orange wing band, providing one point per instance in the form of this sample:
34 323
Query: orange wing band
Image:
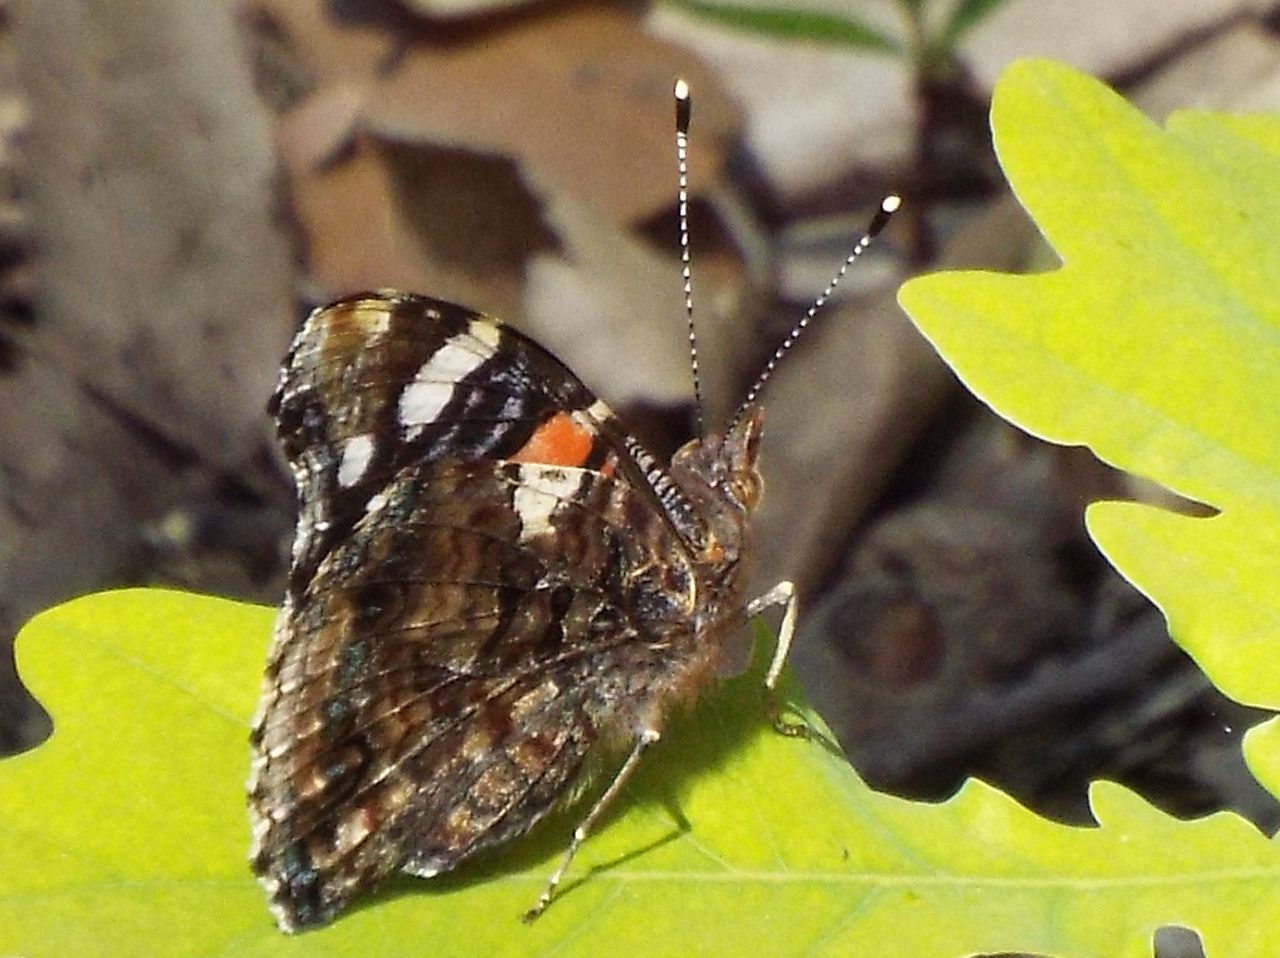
560 441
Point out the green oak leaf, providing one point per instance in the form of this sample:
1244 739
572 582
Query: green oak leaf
1157 344
126 834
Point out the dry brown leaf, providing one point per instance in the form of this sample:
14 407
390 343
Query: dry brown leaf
580 98
453 224
431 175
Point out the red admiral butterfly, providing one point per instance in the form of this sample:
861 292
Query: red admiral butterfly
492 585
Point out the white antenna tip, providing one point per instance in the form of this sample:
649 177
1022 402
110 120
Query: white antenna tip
890 203
682 90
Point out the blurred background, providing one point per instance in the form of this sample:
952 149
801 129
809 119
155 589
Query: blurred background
182 180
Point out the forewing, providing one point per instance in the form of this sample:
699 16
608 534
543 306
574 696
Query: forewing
380 381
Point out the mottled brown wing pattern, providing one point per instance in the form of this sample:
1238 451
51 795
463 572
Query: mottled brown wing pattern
486 587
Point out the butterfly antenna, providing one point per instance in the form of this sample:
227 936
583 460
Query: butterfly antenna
684 109
888 206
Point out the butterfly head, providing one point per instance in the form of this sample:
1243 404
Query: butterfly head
719 475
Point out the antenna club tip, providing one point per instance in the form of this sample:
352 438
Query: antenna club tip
891 203
683 107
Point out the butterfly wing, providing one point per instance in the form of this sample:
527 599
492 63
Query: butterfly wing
475 589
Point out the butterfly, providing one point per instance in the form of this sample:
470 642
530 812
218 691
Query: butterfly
494 588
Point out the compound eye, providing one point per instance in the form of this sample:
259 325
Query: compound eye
746 488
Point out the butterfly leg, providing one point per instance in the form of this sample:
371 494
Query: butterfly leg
783 594
646 738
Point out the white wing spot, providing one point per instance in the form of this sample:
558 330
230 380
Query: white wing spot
356 455
487 333
432 387
420 403
598 411
541 489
